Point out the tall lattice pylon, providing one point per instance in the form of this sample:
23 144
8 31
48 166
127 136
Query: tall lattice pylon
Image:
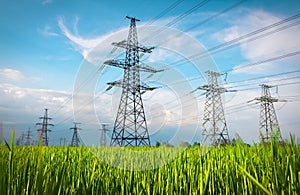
103 130
43 130
268 123
214 126
75 138
130 127
28 138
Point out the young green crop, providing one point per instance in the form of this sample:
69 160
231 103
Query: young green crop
268 169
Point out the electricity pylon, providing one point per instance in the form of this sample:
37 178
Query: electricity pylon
268 123
43 130
28 138
75 138
130 127
214 126
103 135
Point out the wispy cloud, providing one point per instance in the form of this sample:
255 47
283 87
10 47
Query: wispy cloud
46 31
12 74
8 74
47 2
267 47
80 43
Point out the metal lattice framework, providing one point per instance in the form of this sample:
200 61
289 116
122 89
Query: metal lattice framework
214 127
103 130
268 123
43 130
28 138
75 138
130 127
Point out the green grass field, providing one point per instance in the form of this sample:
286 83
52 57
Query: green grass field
270 169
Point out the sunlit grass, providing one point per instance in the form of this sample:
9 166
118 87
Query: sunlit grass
268 169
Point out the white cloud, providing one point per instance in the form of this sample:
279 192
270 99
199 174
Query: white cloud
275 44
80 43
12 74
47 31
25 103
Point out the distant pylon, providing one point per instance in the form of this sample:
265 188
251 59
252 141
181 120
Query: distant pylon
43 130
268 123
214 126
130 127
75 138
103 135
28 138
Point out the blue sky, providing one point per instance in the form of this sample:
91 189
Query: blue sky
45 45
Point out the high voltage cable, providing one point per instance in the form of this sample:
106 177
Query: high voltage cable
208 19
216 15
248 65
164 12
272 81
265 61
185 14
201 4
232 43
282 84
200 23
265 76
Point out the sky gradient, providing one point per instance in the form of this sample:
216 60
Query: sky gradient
46 44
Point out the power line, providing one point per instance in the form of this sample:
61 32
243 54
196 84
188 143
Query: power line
248 65
164 12
265 61
216 15
271 81
234 42
177 19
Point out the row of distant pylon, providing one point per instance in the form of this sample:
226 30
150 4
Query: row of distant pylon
130 126
214 126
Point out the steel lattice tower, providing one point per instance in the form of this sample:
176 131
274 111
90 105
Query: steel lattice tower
75 138
268 123
28 138
43 130
214 127
103 135
130 127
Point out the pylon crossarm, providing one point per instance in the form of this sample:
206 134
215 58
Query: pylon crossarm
125 45
144 86
116 63
118 83
145 68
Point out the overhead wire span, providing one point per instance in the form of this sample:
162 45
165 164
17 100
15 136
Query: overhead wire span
237 41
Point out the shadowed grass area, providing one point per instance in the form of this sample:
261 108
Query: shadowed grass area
240 169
